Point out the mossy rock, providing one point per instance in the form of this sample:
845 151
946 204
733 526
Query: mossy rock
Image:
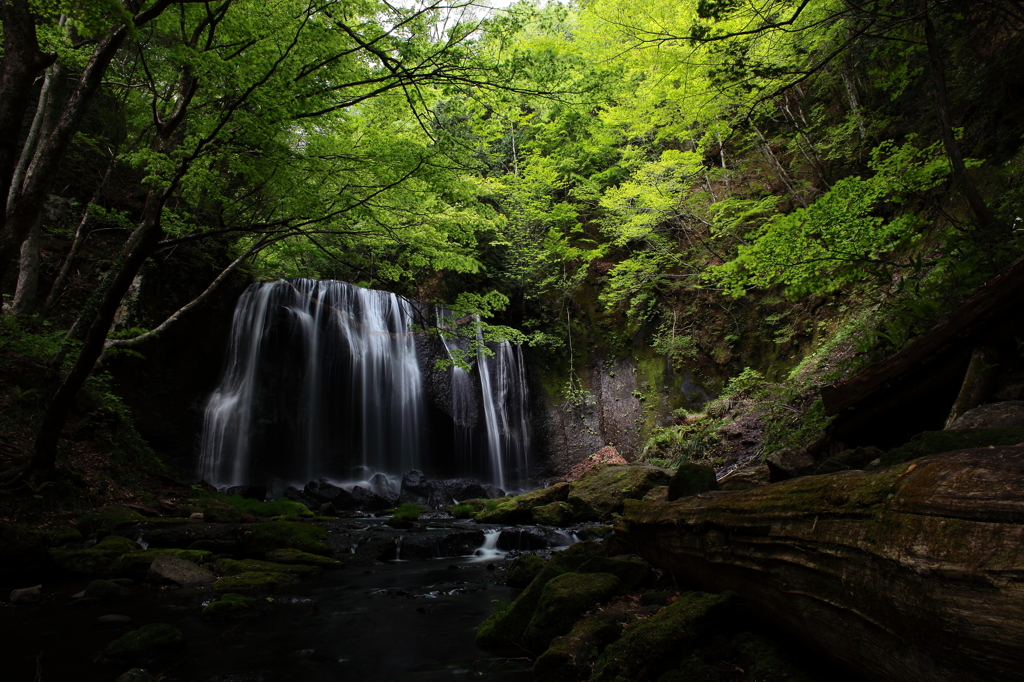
220 511
230 605
96 560
658 493
570 657
109 519
23 551
237 567
264 537
523 569
148 643
554 514
756 658
62 537
650 647
505 628
519 509
295 556
253 582
107 590
564 600
936 442
468 509
602 491
692 479
630 569
137 563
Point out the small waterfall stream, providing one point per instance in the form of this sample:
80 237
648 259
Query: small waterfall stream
324 379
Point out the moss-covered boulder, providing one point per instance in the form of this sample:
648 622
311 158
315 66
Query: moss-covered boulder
692 479
507 627
136 564
96 560
295 556
239 566
220 511
107 590
519 509
523 569
230 605
270 535
754 657
563 601
602 491
936 442
148 643
109 519
253 582
570 657
23 551
650 647
554 514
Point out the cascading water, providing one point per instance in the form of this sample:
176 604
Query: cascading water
321 377
323 380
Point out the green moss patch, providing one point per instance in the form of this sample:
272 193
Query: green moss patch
148 643
602 491
230 605
137 563
570 657
253 582
294 556
563 601
554 514
519 509
270 535
96 560
238 567
109 519
523 569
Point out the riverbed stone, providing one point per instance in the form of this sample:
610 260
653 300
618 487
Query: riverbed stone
148 643
601 492
554 514
523 569
261 538
519 509
295 556
137 563
563 601
253 582
239 566
95 560
27 595
107 590
180 571
220 511
230 605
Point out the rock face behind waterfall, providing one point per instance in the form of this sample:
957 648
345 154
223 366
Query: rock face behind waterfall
910 573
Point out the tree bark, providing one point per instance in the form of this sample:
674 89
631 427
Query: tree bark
978 382
22 62
906 574
140 246
981 211
24 302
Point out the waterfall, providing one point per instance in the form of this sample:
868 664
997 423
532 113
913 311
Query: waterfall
323 380
321 377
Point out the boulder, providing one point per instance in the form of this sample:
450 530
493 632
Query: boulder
106 590
523 569
219 511
691 479
1006 414
135 675
249 492
789 462
321 490
563 601
570 658
294 556
907 573
415 487
554 514
519 509
747 478
27 595
602 491
95 560
261 538
185 573
380 484
367 500
148 643
229 605
137 563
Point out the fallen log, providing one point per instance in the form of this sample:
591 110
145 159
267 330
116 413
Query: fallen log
1002 292
913 573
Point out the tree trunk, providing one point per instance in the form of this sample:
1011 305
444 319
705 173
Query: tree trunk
24 302
22 62
140 246
907 574
978 382
981 212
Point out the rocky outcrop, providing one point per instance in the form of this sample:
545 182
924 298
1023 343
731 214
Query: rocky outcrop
906 574
1007 414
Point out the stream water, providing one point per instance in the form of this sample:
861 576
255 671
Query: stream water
412 620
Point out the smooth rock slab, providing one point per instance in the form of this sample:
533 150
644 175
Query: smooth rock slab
906 574
184 573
